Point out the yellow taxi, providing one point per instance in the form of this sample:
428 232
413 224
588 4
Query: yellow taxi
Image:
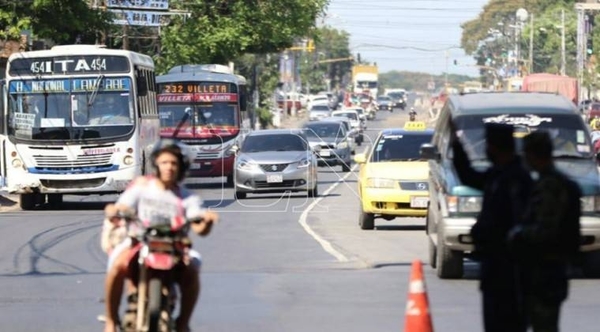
393 179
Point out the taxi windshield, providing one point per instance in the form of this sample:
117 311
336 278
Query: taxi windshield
400 147
568 133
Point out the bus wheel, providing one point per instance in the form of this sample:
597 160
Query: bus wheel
27 201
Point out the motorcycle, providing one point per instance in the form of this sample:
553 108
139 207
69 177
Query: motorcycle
159 250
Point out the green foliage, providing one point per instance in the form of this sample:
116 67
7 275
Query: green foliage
418 81
265 117
222 30
63 21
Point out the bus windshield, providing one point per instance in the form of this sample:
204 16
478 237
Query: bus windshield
64 109
216 114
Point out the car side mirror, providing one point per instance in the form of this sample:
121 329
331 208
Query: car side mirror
429 152
360 158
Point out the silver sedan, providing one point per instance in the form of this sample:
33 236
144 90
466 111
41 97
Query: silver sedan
276 160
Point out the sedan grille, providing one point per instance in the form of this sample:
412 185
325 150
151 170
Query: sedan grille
414 185
273 167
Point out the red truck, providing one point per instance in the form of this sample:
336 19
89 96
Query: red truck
544 82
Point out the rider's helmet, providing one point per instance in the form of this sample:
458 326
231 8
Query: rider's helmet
178 149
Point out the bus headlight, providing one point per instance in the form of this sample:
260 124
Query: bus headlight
17 163
128 160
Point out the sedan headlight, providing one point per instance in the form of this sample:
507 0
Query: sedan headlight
342 145
464 203
380 183
304 163
590 204
246 164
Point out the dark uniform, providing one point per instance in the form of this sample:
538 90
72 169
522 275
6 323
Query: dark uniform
505 191
546 245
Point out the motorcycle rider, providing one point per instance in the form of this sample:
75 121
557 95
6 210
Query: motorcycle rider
164 195
412 114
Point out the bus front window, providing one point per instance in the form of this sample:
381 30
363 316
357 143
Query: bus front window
214 114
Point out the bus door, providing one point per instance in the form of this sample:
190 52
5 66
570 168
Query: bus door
3 156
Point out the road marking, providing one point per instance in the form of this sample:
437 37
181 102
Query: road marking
327 246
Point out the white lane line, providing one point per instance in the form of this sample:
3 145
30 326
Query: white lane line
304 217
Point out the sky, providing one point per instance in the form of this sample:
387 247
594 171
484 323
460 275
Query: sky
411 35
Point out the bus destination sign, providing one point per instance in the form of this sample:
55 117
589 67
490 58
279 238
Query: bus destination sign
66 85
78 64
193 87
204 92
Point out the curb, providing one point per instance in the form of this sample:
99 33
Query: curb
9 203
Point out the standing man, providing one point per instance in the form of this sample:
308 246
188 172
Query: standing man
505 187
550 237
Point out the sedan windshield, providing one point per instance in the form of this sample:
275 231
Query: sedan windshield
275 142
349 115
400 147
323 130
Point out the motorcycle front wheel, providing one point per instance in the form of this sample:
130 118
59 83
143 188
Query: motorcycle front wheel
155 307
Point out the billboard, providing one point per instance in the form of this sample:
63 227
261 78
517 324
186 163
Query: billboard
139 4
140 18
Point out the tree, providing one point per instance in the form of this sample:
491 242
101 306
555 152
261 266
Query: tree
219 31
62 21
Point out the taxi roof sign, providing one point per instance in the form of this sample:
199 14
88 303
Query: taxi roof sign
415 125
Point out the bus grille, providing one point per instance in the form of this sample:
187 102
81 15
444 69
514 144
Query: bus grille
81 161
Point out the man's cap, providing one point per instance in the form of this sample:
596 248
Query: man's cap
538 144
500 135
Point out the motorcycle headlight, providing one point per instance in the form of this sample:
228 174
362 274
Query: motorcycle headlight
380 183
304 163
590 204
246 164
464 203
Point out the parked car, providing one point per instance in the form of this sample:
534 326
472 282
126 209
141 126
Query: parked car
332 141
275 160
453 206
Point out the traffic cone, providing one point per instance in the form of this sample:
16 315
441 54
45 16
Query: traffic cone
418 318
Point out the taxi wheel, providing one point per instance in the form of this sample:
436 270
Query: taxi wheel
366 220
432 254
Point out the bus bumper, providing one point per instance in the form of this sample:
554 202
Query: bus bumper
208 168
90 183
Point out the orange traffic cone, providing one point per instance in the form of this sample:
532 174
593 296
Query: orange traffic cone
418 318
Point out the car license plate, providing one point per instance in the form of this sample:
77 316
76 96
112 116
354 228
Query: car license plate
325 153
274 178
419 202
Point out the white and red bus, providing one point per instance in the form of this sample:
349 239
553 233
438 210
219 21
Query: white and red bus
204 106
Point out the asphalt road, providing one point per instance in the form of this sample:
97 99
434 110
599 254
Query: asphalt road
274 263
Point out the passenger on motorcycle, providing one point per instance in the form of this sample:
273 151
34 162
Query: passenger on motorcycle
146 196
412 114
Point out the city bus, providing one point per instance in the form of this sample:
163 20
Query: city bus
204 106
78 119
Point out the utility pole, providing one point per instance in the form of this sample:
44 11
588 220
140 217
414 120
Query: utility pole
563 61
125 37
531 29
